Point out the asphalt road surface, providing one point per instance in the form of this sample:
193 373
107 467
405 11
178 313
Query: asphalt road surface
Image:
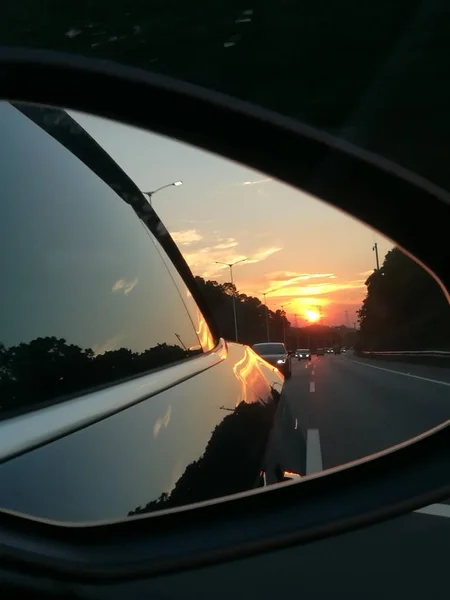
338 409
348 408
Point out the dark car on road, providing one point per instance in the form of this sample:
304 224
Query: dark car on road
320 351
276 354
303 354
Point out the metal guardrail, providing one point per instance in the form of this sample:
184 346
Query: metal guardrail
444 353
430 357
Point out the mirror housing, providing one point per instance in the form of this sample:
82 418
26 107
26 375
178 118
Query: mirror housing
382 486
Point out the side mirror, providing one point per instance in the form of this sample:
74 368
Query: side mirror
156 464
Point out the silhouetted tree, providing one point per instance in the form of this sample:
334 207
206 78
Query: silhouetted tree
49 369
404 309
250 313
234 454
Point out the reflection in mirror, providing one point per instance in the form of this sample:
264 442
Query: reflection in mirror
343 339
81 306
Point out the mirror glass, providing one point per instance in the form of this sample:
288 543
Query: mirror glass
337 342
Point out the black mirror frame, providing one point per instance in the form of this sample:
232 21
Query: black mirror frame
385 485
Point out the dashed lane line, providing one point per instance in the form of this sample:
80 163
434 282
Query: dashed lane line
437 510
313 452
314 464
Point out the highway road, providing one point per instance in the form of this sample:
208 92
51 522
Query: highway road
347 407
337 409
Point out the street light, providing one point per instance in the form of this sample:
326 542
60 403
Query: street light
267 310
283 316
267 314
296 330
230 266
151 194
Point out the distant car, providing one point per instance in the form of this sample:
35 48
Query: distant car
329 350
320 351
303 354
276 354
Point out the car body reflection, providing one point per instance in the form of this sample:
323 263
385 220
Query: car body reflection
190 443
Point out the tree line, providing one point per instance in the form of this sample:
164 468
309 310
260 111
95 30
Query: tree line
404 309
48 369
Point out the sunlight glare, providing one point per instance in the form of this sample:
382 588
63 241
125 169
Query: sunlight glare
312 315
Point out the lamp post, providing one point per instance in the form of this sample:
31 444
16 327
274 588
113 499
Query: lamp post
375 249
267 309
296 329
283 316
230 266
151 194
267 312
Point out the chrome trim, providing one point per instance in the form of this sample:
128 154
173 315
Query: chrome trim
24 432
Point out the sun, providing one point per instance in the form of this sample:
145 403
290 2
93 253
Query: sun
312 315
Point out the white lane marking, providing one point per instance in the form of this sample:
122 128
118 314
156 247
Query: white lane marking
313 452
437 510
314 465
313 372
438 381
296 424
312 386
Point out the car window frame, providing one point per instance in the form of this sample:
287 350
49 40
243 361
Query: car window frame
65 130
70 135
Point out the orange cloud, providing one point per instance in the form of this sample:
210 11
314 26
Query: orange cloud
260 255
202 262
319 289
225 244
282 279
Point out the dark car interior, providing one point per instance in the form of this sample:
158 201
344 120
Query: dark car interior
145 448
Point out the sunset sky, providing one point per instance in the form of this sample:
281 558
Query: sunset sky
318 256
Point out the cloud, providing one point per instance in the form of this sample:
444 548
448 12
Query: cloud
281 275
366 273
162 422
195 221
202 262
263 254
257 181
126 286
201 250
282 280
318 289
286 278
112 343
225 244
186 237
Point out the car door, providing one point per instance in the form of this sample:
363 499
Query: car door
117 396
